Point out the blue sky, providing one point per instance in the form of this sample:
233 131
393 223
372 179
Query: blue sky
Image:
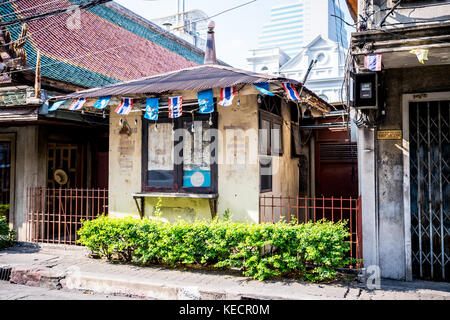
236 31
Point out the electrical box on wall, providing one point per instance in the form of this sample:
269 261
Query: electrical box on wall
366 90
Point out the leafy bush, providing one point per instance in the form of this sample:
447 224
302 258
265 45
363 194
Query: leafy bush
311 251
7 236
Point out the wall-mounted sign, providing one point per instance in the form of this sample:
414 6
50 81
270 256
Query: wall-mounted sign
389 135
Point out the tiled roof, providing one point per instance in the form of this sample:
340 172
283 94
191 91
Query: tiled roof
111 44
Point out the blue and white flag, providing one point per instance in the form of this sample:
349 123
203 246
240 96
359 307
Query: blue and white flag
56 105
77 104
125 106
151 109
373 62
226 96
102 102
290 91
263 88
175 107
206 101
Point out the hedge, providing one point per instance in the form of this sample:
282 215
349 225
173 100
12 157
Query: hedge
7 236
310 251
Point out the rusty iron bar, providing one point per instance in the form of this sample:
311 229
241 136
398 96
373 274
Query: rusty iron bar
54 215
321 208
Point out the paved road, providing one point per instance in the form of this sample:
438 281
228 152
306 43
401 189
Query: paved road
9 291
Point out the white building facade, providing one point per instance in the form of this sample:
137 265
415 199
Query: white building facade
325 78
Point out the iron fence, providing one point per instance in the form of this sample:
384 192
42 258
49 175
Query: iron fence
55 215
272 209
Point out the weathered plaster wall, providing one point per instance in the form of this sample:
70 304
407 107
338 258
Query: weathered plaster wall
387 244
124 164
239 170
26 172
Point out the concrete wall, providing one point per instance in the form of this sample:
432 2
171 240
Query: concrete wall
125 164
383 212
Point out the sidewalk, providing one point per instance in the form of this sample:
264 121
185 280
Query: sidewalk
69 267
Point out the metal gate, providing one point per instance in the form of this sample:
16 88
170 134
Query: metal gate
430 190
56 215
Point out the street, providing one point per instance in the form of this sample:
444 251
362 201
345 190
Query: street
9 291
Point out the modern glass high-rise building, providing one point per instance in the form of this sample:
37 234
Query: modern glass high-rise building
294 25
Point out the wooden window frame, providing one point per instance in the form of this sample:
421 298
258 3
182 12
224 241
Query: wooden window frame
178 168
272 119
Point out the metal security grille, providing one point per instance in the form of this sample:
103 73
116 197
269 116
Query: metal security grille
430 190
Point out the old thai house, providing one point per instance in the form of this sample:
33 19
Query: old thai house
54 166
244 156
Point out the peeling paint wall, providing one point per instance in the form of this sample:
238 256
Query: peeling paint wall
124 164
239 183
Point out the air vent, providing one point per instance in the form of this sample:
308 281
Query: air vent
5 273
334 152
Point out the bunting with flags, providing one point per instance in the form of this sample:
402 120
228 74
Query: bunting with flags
373 62
125 106
263 88
77 104
102 102
56 105
175 107
290 91
206 101
152 109
226 96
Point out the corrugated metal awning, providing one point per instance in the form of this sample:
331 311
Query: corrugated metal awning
195 78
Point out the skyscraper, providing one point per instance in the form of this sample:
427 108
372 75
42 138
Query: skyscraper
292 26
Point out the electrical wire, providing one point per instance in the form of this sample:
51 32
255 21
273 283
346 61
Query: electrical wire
217 14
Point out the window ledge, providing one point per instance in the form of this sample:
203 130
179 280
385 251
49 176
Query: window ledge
175 195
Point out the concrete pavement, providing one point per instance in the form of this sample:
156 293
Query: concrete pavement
9 291
69 267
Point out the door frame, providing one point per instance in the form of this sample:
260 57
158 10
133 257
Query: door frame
11 138
406 99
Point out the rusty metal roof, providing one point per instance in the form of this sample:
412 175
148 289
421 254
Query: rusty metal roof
194 78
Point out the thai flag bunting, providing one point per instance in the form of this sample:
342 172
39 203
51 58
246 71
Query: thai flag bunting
263 88
175 107
290 91
373 62
77 104
226 96
125 106
206 101
151 109
56 105
102 102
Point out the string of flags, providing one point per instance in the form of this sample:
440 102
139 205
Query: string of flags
175 104
372 62
421 54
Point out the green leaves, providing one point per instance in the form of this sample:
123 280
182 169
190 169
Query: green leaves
7 236
312 251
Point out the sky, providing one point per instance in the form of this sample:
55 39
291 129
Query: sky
236 31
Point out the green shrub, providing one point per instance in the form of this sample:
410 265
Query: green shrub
7 236
311 251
